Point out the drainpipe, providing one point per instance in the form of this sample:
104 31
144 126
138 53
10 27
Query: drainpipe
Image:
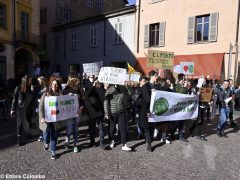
14 36
236 43
138 27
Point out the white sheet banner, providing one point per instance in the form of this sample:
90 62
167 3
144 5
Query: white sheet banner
92 68
168 106
58 108
112 75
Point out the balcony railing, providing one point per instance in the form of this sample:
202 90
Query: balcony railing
27 37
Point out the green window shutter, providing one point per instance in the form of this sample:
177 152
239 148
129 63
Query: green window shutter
191 30
213 28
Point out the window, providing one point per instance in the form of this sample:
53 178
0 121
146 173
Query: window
90 3
24 26
74 40
202 28
2 68
154 35
57 42
43 15
118 33
99 5
66 15
44 41
93 36
3 16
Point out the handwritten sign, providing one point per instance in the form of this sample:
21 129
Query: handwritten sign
205 94
92 68
58 108
160 59
112 75
187 67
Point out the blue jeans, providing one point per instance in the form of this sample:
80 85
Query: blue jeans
224 114
50 136
72 128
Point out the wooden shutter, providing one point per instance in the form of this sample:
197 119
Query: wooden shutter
146 36
213 28
162 26
191 30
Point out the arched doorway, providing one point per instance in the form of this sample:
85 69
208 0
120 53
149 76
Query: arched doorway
23 62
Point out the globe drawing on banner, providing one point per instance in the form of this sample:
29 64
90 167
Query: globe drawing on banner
160 106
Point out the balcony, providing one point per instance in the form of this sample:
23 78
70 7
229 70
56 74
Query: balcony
26 37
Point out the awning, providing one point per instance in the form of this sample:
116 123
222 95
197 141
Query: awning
204 64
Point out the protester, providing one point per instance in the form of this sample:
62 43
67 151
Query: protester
115 106
181 87
50 129
225 98
72 88
3 102
42 88
22 107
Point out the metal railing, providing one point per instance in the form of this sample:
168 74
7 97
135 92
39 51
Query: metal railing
27 37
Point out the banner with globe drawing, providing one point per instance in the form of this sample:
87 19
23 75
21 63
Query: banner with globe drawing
169 106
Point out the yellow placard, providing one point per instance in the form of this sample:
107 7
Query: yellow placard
160 59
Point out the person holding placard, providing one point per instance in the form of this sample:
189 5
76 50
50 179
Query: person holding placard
50 128
72 88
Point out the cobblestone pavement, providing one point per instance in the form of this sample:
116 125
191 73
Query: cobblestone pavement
217 158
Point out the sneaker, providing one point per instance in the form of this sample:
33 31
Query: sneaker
155 133
66 145
219 133
46 146
75 149
112 144
126 148
53 155
40 139
201 138
166 141
102 146
233 125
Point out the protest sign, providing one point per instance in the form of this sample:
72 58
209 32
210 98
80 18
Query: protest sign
112 75
168 106
160 59
135 77
58 108
187 67
205 94
92 68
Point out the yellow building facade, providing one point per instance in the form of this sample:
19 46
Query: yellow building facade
19 37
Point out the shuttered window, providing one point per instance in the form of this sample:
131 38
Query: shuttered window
202 28
93 36
118 33
74 40
3 16
154 35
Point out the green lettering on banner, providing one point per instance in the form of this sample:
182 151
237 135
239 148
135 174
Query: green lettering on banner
52 104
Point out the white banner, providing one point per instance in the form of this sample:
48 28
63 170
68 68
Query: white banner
112 75
58 108
168 106
92 68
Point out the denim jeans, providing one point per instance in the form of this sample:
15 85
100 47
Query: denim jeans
224 114
72 128
92 129
50 136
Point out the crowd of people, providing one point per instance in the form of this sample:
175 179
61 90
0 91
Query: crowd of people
116 106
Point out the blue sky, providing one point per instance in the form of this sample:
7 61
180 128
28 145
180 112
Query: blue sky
131 2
